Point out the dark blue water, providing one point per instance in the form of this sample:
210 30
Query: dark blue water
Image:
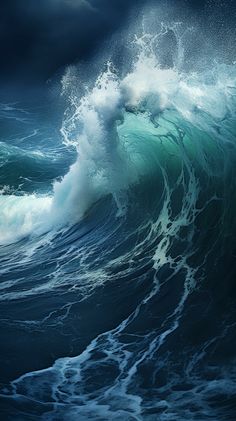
118 245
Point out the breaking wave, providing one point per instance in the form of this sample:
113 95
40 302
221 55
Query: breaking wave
126 253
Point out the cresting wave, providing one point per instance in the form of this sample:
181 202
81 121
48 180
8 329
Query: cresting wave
95 125
135 235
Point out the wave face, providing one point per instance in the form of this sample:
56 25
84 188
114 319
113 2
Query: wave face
118 244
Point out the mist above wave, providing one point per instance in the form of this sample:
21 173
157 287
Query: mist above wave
106 162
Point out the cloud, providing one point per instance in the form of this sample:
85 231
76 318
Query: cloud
38 38
74 4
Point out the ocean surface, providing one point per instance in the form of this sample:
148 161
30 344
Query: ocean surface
118 242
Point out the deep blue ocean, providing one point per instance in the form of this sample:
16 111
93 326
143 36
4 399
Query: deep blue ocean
118 240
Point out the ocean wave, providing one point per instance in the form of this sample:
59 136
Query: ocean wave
123 259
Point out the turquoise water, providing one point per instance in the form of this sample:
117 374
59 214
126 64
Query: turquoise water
118 249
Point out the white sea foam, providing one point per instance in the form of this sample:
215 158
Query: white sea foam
105 163
22 215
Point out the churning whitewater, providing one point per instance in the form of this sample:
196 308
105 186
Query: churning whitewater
118 244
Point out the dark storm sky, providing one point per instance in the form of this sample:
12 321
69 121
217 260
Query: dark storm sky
38 37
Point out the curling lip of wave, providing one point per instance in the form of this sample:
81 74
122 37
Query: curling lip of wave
103 165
